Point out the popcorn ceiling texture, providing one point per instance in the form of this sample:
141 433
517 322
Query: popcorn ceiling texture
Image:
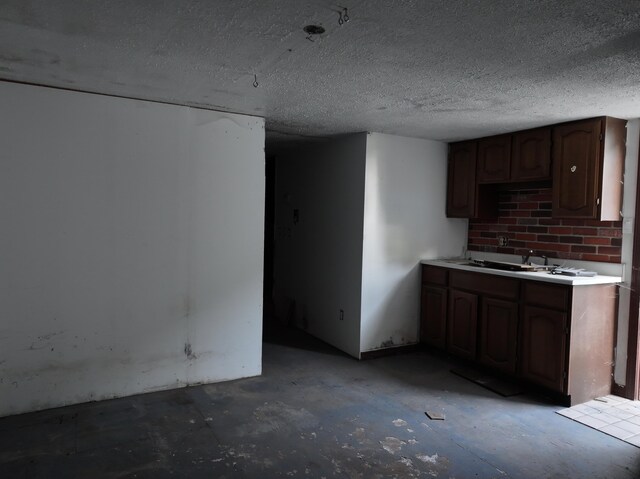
525 219
440 70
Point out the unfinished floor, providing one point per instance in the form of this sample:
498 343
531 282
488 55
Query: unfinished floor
315 413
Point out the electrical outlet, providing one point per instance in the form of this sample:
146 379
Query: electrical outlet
342 315
503 241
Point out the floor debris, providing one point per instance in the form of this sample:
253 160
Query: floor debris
392 444
426 458
435 416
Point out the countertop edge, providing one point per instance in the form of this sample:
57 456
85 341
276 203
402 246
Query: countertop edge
544 277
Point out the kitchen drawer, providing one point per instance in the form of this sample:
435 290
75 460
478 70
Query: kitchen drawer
546 295
434 275
494 286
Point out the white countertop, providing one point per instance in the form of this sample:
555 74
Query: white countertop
544 276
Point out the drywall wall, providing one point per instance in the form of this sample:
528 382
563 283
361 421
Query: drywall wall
318 253
628 214
404 222
131 247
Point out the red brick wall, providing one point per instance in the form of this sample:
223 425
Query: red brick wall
525 220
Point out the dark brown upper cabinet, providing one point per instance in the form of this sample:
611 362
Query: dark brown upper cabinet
466 198
494 159
461 181
531 155
522 156
584 160
588 159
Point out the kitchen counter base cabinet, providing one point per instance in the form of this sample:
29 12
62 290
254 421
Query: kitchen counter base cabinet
591 340
434 316
433 306
543 347
462 323
499 334
553 336
567 338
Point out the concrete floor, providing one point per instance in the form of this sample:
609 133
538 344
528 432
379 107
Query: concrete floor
315 413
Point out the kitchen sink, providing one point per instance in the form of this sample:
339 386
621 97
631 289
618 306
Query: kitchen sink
507 266
501 265
461 261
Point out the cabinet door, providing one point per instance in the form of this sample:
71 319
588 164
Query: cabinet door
544 340
531 155
494 159
499 334
461 181
433 317
462 323
576 164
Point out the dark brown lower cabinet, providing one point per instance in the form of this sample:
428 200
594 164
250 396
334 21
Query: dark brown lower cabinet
556 336
462 323
499 334
544 347
433 323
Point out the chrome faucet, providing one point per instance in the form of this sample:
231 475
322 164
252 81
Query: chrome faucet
525 258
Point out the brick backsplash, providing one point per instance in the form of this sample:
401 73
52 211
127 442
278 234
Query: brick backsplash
525 220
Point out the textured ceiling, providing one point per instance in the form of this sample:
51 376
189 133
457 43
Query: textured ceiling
443 70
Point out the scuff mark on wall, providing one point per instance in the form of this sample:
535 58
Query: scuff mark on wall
188 352
42 341
387 344
396 340
46 337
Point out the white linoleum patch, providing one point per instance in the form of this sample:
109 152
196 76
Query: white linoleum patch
612 415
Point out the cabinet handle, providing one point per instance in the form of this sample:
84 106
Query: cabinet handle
574 168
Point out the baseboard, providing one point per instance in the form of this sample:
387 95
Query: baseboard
378 353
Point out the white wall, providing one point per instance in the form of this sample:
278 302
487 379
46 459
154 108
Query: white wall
318 261
628 214
404 222
131 247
